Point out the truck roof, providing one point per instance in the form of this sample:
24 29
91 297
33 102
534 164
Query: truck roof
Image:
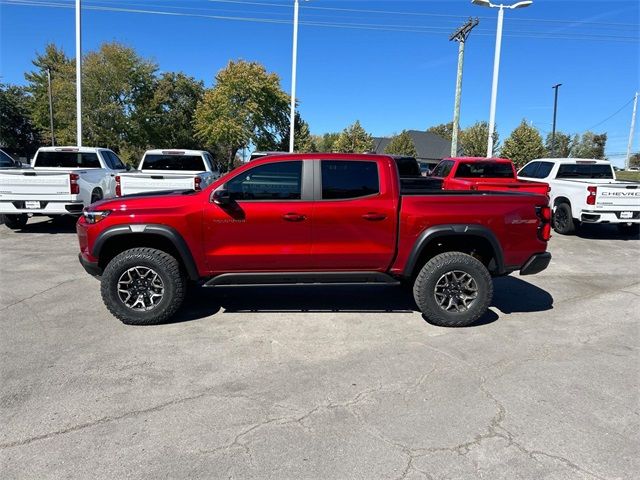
72 148
573 160
478 159
174 151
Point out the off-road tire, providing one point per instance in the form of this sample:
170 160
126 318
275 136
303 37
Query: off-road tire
563 222
632 230
425 285
16 222
166 266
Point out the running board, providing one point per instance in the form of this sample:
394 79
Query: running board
301 278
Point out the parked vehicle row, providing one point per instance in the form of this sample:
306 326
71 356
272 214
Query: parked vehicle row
308 219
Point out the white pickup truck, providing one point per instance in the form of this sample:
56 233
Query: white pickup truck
62 181
586 191
169 170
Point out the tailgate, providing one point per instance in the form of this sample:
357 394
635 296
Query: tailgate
622 196
132 183
35 185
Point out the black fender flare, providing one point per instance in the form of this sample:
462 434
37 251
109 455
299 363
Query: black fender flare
460 230
169 233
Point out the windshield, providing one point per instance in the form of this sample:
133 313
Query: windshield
485 170
67 160
589 170
6 160
173 162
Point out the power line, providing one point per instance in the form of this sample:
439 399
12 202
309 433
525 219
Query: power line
612 115
353 26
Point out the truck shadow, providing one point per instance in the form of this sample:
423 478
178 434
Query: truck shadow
57 225
511 295
603 232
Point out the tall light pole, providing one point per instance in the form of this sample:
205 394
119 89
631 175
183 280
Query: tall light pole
294 64
460 36
496 61
633 126
53 141
78 75
555 112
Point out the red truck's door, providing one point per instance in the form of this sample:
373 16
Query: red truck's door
355 215
267 226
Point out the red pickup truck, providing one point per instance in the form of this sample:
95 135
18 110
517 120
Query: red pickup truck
307 219
474 173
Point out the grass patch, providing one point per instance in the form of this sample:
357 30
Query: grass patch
634 176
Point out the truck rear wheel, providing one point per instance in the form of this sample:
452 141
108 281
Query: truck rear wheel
453 289
143 286
16 222
563 222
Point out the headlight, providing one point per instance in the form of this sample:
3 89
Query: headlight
95 216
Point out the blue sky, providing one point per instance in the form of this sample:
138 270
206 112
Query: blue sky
389 64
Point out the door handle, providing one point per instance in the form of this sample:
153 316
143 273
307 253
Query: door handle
293 217
374 217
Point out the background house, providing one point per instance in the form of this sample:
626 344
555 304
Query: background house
431 148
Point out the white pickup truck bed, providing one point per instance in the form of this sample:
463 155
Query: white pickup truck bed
169 170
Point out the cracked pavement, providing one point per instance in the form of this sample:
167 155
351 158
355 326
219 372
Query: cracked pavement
321 382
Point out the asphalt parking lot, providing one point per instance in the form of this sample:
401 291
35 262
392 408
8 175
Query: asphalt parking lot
321 383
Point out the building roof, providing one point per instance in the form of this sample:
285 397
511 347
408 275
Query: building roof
428 145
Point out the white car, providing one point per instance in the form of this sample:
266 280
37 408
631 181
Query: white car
586 191
169 170
62 181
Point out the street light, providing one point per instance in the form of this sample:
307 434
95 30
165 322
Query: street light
294 65
496 61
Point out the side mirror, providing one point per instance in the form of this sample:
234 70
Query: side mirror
221 197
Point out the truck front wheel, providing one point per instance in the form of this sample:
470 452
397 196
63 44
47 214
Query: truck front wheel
16 222
453 289
143 286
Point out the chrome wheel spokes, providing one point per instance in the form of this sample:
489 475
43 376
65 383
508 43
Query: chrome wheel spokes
140 288
456 291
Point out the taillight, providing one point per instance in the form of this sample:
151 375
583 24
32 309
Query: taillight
197 184
544 229
118 186
73 183
591 198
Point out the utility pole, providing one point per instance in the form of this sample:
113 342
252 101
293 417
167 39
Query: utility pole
78 75
294 61
460 36
53 140
555 111
633 126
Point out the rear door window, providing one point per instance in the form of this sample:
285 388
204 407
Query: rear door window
67 160
544 170
442 169
349 179
173 162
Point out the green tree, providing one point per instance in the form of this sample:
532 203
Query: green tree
634 161
18 134
303 141
326 142
589 145
524 144
247 105
354 139
118 89
62 71
473 140
401 144
171 111
562 145
445 130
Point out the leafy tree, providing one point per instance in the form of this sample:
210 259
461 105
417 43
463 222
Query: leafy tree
118 87
354 139
326 142
171 111
562 148
247 105
62 92
524 144
589 145
634 160
303 141
474 139
18 134
402 144
445 130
